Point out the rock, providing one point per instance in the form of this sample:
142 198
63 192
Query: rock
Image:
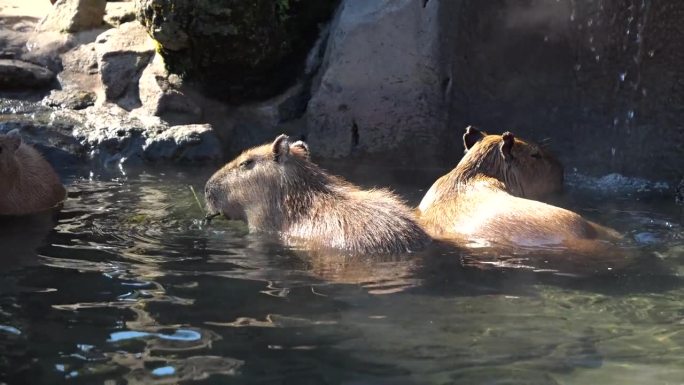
254 123
74 16
19 74
122 54
49 131
46 48
238 50
73 99
114 138
381 86
119 13
81 60
80 72
162 94
679 193
187 144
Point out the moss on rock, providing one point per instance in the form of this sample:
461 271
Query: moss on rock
239 50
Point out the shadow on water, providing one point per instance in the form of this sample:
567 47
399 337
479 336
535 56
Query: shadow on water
131 287
20 237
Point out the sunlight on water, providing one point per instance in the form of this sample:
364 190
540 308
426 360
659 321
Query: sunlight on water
128 284
179 335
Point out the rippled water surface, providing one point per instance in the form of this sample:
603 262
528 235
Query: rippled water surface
130 287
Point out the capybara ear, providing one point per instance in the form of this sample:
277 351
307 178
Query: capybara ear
300 148
507 141
471 136
14 138
281 147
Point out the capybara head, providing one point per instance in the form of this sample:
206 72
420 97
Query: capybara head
9 144
525 168
253 183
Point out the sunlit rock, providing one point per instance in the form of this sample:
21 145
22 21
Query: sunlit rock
74 16
122 54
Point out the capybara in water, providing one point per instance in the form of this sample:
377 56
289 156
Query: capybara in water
28 182
276 188
489 197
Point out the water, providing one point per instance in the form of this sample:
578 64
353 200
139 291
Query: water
131 288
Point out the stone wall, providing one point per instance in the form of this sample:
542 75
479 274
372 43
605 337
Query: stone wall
601 78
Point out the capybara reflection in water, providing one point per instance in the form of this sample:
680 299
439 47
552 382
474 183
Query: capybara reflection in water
489 197
28 184
276 188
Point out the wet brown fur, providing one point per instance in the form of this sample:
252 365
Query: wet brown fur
276 188
485 198
28 184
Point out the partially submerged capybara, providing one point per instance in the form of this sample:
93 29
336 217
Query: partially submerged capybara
28 184
489 197
276 188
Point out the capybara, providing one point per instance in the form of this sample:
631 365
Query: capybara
276 188
489 197
28 182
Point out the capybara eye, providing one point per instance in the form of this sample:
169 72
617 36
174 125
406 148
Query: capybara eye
247 163
536 155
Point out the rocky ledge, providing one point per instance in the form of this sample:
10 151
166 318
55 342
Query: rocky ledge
83 86
109 136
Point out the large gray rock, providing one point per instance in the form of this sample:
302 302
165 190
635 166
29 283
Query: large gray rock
381 88
71 98
19 74
122 54
118 13
114 137
74 16
108 136
239 51
189 144
163 94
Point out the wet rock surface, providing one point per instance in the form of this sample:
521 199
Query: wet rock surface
109 136
599 79
19 74
50 133
114 137
188 143
71 99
